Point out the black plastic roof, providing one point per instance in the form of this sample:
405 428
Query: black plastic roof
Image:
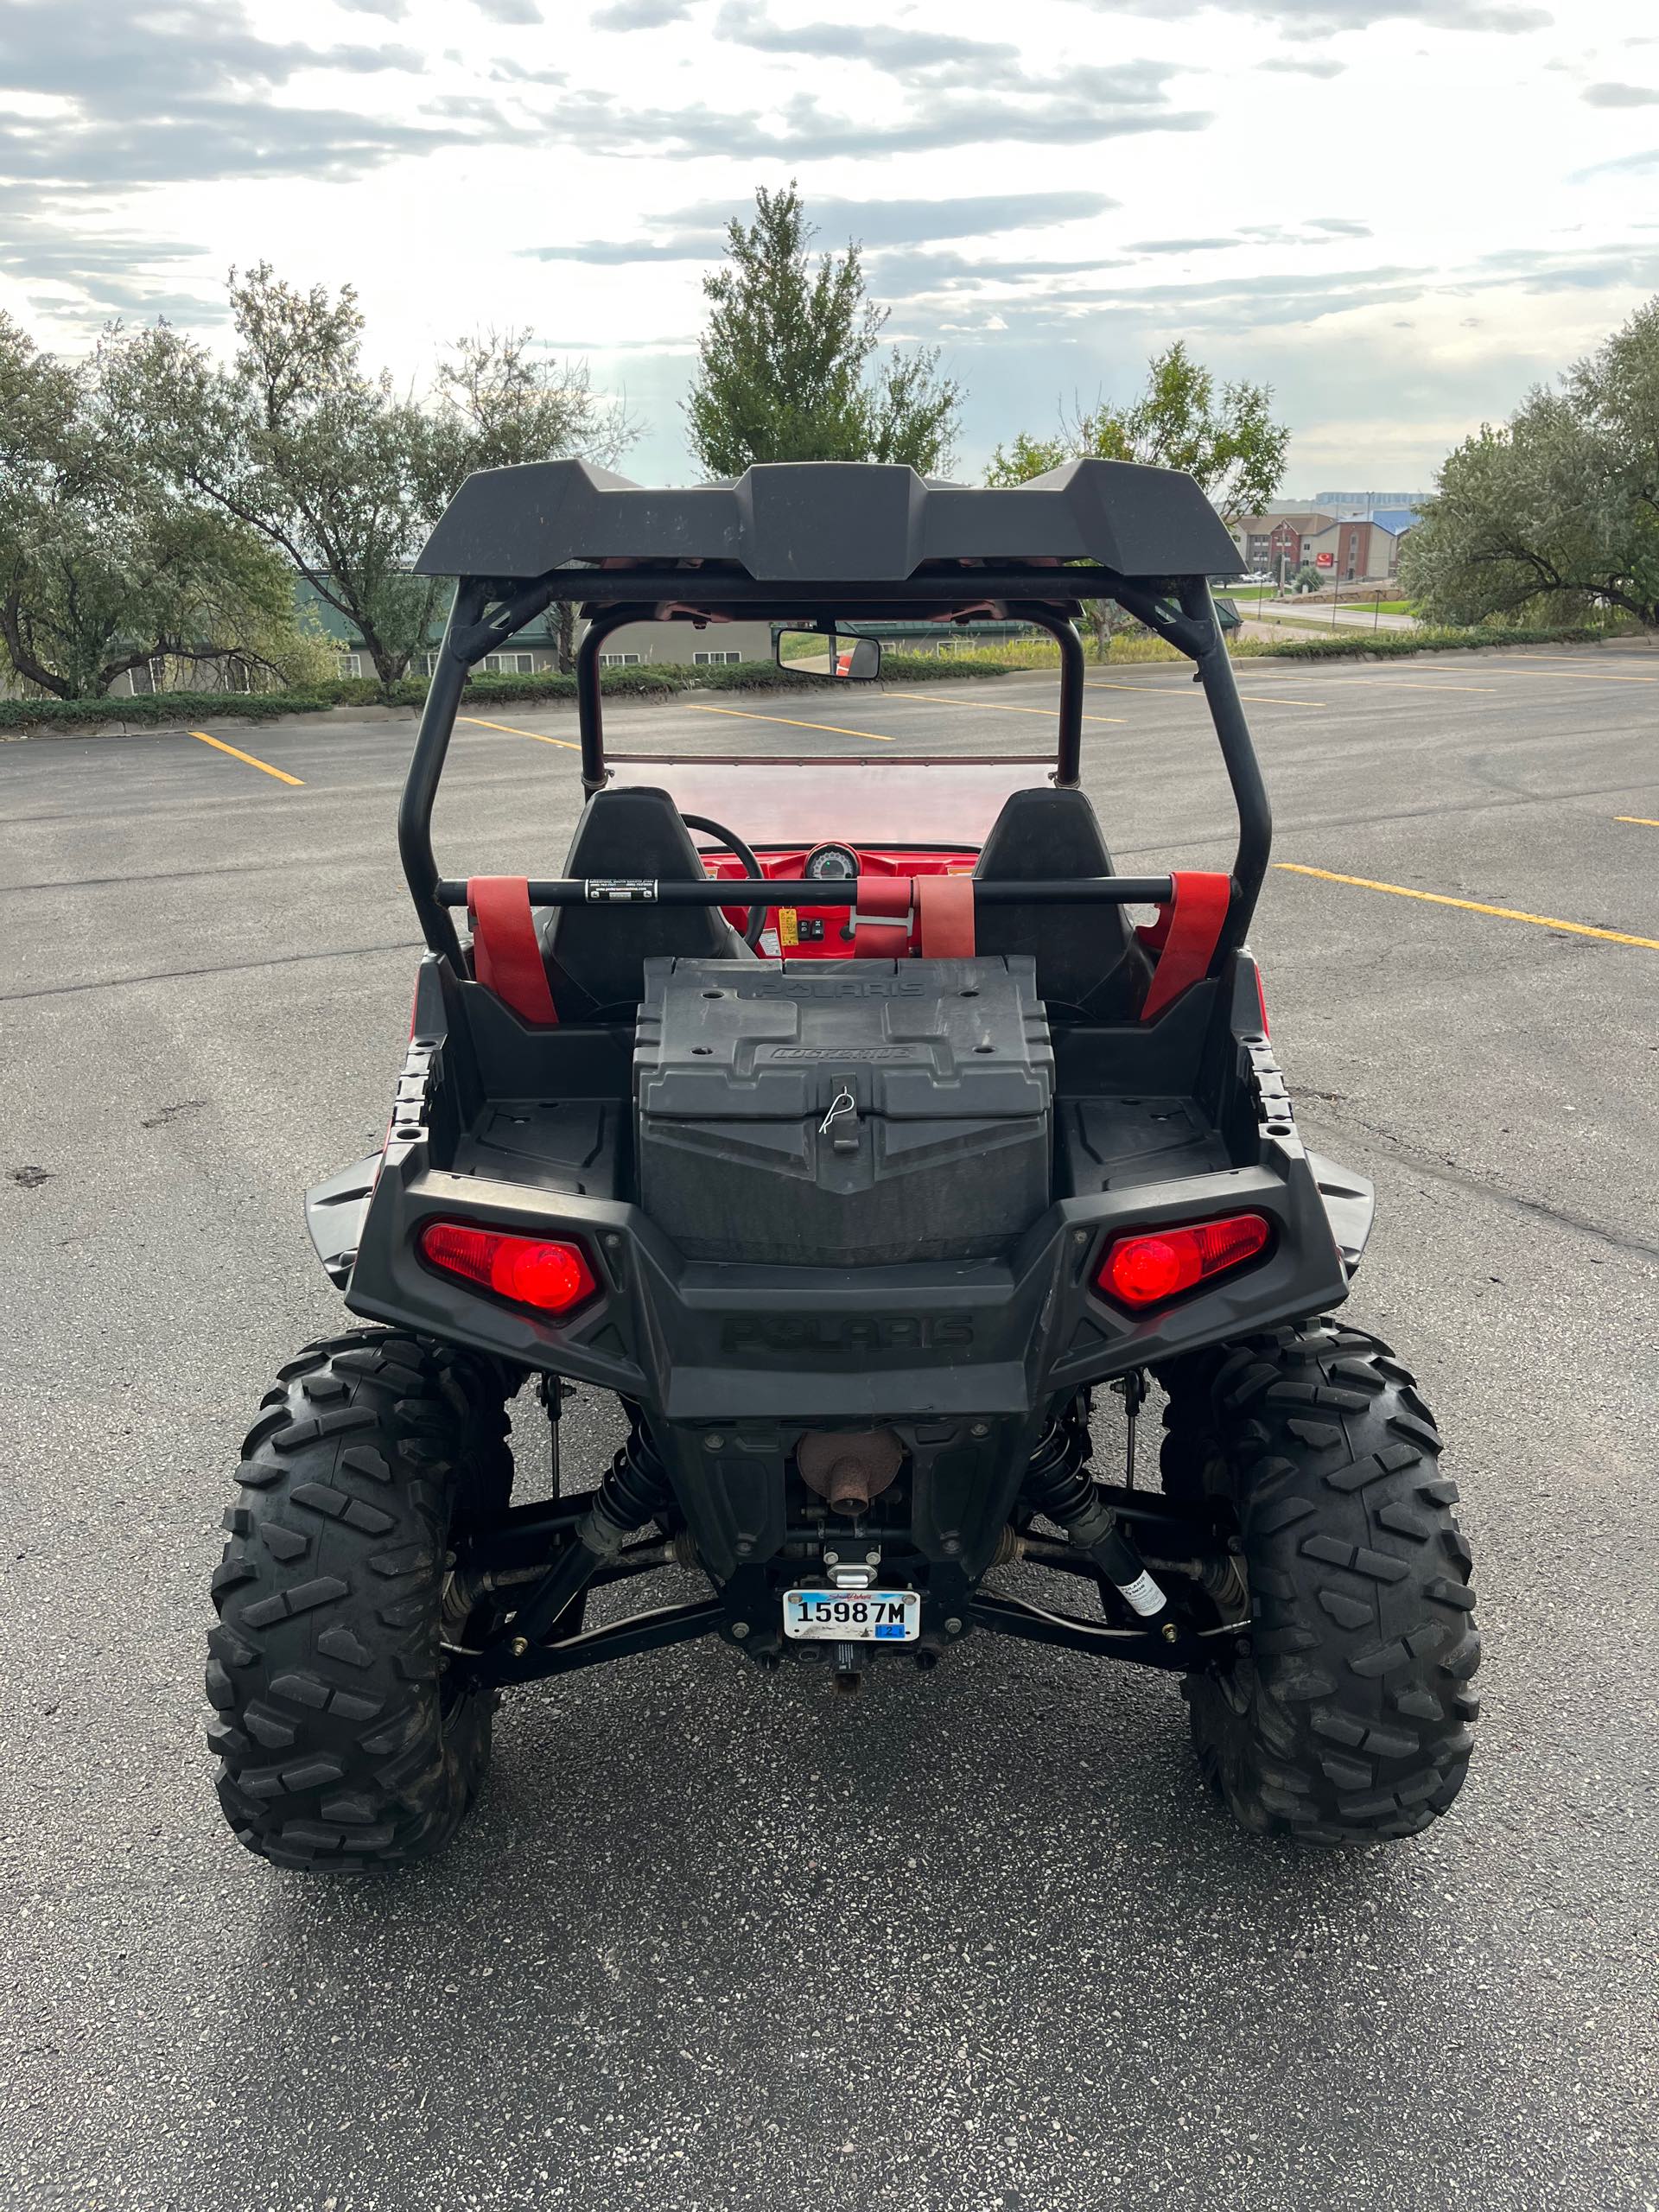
840 521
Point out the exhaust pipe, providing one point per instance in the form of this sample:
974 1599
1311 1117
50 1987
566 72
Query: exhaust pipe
848 1468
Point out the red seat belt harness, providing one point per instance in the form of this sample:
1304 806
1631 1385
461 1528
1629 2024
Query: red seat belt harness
944 906
882 921
506 949
1185 936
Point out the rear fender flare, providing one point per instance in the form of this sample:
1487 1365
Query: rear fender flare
335 1212
1349 1207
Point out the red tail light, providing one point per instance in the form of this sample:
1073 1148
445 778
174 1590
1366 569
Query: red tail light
1154 1264
552 1276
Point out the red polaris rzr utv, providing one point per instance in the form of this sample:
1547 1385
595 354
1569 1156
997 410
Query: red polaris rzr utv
834 1116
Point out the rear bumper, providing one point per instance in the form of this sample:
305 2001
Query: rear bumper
969 1362
699 1342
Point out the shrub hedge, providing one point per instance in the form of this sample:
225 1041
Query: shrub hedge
171 709
1383 645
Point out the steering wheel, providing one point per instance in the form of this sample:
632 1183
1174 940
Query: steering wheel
722 835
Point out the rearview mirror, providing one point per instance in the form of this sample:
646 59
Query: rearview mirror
828 654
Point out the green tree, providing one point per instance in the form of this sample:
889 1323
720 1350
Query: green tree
1557 512
784 365
1026 457
339 472
100 570
1223 435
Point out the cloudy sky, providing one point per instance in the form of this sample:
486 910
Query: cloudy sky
1400 212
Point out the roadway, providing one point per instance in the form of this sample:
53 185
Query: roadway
975 1940
1282 617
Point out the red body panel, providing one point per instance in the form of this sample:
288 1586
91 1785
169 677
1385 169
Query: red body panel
1182 938
823 938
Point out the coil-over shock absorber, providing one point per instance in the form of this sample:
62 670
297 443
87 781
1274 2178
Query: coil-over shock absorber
1058 1484
633 1489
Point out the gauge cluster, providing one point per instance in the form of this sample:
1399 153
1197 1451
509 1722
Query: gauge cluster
830 864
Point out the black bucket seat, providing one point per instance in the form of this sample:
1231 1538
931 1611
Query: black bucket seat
1089 961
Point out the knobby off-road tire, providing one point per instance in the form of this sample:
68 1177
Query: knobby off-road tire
347 1742
1347 1719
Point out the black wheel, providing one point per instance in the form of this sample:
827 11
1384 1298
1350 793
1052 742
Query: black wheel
346 1739
1345 1717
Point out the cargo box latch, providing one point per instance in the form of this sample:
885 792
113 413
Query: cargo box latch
840 1124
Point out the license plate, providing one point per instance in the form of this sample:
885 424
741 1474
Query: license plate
854 1616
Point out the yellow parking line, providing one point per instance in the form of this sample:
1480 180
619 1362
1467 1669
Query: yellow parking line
1559 675
1413 683
997 706
1256 698
834 729
1641 820
219 746
1471 906
508 730
1562 660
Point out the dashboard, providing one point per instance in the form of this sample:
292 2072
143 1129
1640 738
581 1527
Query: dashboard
806 932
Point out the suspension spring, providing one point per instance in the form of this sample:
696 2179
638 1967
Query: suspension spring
633 1489
1057 1485
1055 1481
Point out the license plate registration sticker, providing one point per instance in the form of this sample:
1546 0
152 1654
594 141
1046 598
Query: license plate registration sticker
854 1616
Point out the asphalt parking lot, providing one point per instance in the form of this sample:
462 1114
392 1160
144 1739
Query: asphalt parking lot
975 1940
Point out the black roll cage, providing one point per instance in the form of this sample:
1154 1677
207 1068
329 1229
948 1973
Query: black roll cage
486 611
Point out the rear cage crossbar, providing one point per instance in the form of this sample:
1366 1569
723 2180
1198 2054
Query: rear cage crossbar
772 891
486 611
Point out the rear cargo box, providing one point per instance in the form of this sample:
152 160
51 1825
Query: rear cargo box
826 1113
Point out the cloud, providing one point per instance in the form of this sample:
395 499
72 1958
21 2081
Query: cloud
506 71
1537 270
97 274
1625 165
640 14
182 92
1294 65
1179 245
698 232
1275 299
1319 230
163 92
509 11
905 222
1313 230
394 10
1621 96
153 59
1087 106
745 23
1353 14
202 141
1233 303
914 273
